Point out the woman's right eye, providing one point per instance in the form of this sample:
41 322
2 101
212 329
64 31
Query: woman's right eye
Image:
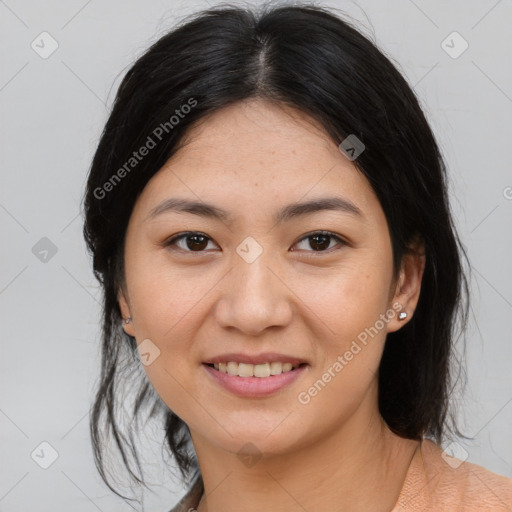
191 241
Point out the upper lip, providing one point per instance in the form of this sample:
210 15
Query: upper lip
266 357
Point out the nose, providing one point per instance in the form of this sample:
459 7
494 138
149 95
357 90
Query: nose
254 298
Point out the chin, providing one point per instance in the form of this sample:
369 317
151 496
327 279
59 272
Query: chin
260 440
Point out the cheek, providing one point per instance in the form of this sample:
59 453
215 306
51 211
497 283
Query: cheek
346 299
351 348
165 297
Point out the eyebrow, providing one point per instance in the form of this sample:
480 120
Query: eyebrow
287 213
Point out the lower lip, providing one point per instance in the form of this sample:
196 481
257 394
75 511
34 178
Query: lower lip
255 387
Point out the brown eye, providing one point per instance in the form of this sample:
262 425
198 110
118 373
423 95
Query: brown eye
321 241
189 242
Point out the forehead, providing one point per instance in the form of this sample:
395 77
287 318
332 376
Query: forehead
259 130
259 154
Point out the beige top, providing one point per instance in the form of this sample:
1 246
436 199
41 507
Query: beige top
433 483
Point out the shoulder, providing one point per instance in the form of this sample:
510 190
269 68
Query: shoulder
190 501
436 481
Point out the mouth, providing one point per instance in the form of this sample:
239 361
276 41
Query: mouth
247 380
260 371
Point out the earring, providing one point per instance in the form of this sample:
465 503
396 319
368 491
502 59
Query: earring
402 315
128 320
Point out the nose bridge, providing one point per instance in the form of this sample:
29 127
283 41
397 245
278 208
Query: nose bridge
253 298
255 278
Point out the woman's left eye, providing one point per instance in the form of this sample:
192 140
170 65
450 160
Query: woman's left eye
193 241
320 241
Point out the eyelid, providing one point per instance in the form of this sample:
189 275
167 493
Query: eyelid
178 236
171 241
341 242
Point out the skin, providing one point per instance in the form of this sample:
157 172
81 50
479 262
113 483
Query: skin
336 452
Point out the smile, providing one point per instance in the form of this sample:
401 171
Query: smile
254 370
254 380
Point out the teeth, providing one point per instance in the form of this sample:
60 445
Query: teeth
232 368
254 370
245 370
261 370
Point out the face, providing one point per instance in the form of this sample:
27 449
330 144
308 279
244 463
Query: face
248 275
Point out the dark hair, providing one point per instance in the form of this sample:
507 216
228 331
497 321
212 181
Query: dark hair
306 57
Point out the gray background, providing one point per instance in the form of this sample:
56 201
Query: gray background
52 111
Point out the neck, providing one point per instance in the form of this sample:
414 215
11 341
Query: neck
352 470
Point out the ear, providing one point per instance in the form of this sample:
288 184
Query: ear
125 311
408 285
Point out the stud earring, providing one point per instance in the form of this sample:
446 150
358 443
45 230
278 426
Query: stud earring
128 320
402 315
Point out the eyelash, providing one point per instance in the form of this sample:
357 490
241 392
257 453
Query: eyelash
172 241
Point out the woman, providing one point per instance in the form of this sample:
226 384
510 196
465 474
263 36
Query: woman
268 217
